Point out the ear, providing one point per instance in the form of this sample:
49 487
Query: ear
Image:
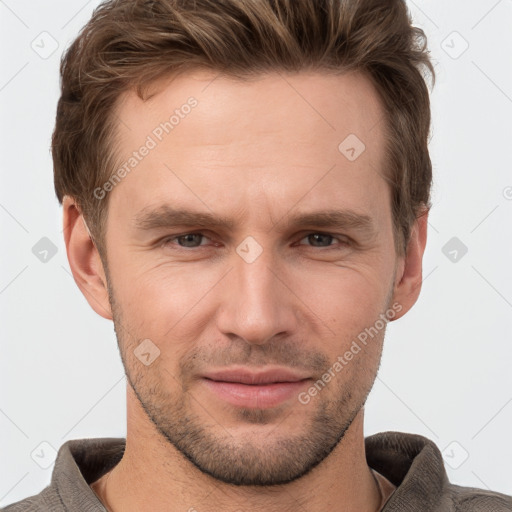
409 274
84 259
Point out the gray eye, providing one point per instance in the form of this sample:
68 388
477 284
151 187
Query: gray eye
189 241
319 238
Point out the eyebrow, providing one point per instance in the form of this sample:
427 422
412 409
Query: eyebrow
166 216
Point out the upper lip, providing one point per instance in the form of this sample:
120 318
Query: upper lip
246 376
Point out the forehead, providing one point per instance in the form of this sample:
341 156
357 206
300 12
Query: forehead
262 105
276 139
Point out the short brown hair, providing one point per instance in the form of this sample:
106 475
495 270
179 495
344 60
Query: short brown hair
129 44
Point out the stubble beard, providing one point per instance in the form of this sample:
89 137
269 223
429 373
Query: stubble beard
275 459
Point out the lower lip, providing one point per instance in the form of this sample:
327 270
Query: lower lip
255 396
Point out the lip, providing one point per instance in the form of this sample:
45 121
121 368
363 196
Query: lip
258 390
244 376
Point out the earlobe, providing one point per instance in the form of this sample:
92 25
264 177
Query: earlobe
410 268
84 259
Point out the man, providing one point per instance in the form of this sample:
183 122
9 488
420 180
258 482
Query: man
245 186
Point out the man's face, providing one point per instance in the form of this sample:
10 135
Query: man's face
261 293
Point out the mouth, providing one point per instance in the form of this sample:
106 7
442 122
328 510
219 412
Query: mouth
258 390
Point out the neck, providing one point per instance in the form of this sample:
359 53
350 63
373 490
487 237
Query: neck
343 481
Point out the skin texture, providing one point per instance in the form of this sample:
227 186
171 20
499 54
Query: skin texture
258 153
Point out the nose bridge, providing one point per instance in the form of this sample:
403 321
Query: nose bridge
256 304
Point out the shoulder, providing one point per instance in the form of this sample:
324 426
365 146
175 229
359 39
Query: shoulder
415 466
46 500
79 462
470 499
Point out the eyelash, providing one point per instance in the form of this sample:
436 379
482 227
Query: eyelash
166 241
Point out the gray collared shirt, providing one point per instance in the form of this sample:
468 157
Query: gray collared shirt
411 462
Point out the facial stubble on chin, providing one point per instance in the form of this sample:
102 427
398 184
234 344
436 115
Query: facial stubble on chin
211 447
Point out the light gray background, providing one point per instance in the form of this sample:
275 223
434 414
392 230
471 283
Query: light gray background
446 366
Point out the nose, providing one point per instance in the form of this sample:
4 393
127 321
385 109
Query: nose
257 303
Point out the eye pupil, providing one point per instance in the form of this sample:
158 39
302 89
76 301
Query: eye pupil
188 237
320 235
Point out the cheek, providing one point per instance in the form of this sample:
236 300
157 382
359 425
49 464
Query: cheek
346 299
350 303
166 303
